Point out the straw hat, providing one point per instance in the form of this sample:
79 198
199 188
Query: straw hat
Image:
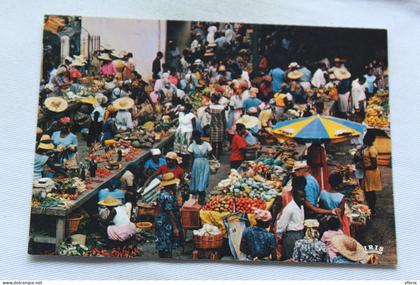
79 60
124 103
39 131
337 59
101 98
168 179
342 73
311 223
105 56
208 53
110 201
212 45
89 100
172 155
349 247
46 143
294 75
299 165
56 104
118 54
249 121
222 68
253 92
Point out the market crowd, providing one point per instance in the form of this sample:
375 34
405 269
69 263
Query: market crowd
220 105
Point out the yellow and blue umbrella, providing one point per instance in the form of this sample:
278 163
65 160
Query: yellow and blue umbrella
318 129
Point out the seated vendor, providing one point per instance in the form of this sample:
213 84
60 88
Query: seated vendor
124 119
112 190
42 158
129 181
257 243
65 141
115 217
154 163
252 101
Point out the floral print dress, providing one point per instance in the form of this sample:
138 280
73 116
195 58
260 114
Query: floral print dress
165 240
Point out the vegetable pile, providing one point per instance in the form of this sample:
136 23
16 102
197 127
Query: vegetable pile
230 204
127 251
72 249
253 189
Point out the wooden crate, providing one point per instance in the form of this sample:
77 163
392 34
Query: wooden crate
190 217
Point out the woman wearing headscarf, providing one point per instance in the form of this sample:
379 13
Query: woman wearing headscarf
65 141
168 227
186 125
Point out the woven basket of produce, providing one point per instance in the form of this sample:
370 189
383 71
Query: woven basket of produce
145 209
208 241
73 222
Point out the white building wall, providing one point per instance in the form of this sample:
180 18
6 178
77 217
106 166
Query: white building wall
144 38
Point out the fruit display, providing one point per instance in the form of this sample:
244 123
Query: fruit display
230 204
220 204
250 188
127 251
377 110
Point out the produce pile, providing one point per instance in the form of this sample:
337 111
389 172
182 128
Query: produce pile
377 110
230 204
72 249
126 251
207 230
248 187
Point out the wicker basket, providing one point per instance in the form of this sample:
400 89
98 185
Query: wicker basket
208 242
73 222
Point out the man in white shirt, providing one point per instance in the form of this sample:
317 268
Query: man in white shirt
318 79
358 95
290 224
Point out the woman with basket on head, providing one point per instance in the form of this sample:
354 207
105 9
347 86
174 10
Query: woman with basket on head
168 226
200 173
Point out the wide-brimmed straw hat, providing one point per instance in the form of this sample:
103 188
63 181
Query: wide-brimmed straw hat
118 54
110 201
124 103
168 179
299 165
249 121
56 104
101 98
172 155
296 74
79 60
89 100
349 247
342 73
46 143
105 56
311 223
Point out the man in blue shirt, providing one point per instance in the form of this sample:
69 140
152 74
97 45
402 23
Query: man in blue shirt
154 163
312 191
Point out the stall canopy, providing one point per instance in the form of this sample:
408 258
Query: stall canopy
318 129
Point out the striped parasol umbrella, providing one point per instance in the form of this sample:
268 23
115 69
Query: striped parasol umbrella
318 129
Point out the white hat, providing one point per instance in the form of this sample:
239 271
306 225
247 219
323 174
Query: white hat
198 61
101 98
155 151
68 58
165 75
293 65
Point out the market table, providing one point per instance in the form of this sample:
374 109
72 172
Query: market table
60 214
